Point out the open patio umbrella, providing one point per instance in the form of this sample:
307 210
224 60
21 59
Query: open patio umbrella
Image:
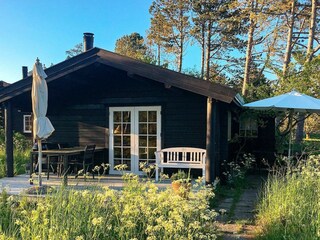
42 127
292 102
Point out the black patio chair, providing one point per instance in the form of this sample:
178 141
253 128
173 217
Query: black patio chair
47 162
85 162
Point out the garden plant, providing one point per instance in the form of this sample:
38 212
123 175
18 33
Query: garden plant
290 206
139 211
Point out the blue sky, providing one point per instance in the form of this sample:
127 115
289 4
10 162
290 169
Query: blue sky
47 28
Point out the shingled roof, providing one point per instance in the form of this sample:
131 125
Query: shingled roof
131 66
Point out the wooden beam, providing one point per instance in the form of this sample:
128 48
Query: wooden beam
9 138
210 144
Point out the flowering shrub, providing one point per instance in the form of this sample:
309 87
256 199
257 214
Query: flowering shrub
235 172
139 211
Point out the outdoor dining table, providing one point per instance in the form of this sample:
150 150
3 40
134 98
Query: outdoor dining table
63 154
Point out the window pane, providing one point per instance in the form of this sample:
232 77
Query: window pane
117 140
117 129
152 128
117 116
152 141
152 116
142 141
127 116
117 153
143 153
128 163
126 153
143 116
143 128
151 152
126 128
126 140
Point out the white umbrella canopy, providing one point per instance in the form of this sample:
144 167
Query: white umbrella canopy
293 101
42 127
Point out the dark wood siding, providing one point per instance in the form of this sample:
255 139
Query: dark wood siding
87 119
79 125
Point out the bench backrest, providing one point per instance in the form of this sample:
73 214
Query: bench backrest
181 155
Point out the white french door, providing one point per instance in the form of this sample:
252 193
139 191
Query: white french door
135 134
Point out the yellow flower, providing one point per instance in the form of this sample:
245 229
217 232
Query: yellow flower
97 221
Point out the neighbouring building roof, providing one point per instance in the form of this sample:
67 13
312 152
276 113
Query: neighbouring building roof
132 67
3 84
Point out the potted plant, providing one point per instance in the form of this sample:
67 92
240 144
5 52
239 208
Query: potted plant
181 182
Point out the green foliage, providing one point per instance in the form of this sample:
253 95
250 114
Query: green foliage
304 78
181 176
289 207
6 214
235 171
21 153
139 211
76 50
133 46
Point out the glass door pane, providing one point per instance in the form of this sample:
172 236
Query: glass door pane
147 136
122 138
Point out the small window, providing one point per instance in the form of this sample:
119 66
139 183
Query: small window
248 127
27 123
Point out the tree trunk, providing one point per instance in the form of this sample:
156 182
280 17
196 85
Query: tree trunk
159 55
287 56
300 128
300 125
180 58
312 29
246 77
203 51
208 50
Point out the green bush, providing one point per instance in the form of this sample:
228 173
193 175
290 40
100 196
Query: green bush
139 211
21 154
290 206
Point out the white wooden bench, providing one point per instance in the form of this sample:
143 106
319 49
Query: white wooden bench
180 157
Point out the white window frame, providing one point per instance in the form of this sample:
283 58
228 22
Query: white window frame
25 130
248 127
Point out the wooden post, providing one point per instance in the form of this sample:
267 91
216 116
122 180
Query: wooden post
210 144
8 138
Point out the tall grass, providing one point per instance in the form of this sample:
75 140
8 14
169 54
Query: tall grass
140 211
290 205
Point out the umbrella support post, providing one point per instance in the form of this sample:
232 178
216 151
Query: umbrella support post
40 162
290 143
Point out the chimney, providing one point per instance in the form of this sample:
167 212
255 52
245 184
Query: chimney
87 41
24 71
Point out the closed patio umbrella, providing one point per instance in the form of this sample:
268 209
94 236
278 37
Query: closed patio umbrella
42 127
292 102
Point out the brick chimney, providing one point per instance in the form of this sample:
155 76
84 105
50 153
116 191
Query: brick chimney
24 71
87 41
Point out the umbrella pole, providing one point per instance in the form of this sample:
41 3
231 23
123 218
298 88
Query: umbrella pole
290 142
290 134
40 161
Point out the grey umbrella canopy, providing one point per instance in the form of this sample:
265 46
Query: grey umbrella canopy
291 102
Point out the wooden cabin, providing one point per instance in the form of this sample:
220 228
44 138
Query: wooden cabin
129 107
